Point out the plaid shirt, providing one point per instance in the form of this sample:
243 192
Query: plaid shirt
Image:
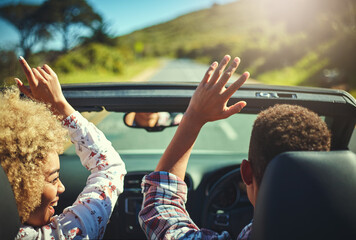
163 214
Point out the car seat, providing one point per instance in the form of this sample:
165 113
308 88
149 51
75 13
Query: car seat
307 195
9 217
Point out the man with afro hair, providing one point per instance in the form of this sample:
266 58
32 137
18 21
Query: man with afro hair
277 129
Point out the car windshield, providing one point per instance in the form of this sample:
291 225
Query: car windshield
221 137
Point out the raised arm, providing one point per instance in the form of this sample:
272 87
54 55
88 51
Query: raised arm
209 103
165 192
44 87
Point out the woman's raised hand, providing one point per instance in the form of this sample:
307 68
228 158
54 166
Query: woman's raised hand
44 87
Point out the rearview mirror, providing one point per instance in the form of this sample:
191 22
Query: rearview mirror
152 121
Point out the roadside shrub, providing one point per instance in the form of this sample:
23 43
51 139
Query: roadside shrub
95 57
9 67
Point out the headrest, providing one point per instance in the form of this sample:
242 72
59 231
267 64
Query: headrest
307 195
9 216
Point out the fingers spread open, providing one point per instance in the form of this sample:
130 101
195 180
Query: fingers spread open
236 85
49 70
43 73
209 72
236 108
219 70
38 75
228 73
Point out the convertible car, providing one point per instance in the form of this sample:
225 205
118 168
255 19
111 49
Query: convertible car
217 198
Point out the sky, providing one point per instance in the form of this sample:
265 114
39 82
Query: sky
123 16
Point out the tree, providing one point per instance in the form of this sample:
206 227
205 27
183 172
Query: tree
68 16
23 18
101 35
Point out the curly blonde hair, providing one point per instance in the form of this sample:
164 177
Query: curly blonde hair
28 132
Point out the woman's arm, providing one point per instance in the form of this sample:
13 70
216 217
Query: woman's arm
91 211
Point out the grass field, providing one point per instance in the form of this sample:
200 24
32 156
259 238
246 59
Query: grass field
130 72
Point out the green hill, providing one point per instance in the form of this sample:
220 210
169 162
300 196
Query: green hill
282 42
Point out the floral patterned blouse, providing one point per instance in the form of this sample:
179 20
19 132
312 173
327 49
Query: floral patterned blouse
88 216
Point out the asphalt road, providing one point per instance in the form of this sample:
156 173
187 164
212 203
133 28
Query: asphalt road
184 70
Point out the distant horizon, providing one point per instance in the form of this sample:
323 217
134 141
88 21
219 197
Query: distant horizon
123 17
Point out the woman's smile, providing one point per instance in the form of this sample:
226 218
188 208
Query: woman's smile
53 187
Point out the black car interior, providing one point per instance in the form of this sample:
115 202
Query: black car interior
9 216
307 195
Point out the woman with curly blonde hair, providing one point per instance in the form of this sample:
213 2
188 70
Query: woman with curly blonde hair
31 137
29 132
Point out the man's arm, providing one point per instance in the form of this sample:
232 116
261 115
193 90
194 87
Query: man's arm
163 214
207 104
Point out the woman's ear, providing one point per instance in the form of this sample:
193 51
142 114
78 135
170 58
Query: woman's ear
246 172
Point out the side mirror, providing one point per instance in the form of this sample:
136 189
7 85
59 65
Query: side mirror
152 121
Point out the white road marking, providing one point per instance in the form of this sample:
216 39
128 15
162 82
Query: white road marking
228 130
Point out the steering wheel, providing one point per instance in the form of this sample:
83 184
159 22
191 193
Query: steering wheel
223 210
